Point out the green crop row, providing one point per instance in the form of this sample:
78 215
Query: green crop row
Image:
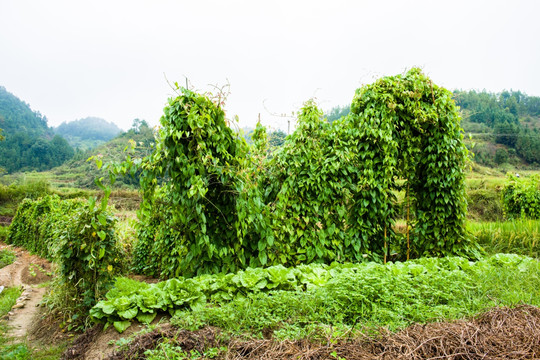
519 236
354 289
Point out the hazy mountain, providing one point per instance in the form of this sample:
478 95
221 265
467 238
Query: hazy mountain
88 133
29 143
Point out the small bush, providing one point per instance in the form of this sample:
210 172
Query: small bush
521 197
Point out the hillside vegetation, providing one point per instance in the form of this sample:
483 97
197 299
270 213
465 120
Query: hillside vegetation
78 172
502 129
29 144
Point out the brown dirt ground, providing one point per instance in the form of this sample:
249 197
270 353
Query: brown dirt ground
27 271
5 220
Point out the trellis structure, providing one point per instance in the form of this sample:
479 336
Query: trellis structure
408 134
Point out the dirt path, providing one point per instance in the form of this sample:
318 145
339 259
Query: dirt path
28 271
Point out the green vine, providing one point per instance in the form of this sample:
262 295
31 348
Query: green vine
408 128
212 203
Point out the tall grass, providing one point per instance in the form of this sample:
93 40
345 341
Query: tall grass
516 236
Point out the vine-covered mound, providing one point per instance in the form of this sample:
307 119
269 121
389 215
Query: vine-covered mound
212 203
77 235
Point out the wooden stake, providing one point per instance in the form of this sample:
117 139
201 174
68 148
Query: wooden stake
408 207
385 245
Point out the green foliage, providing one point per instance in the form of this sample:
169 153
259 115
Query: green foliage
77 235
310 186
521 197
33 225
393 295
405 126
6 257
520 236
190 192
88 254
212 203
129 299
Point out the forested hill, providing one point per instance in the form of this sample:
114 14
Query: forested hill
507 123
29 144
78 172
504 127
88 132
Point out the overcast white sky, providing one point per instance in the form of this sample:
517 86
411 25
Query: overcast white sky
72 59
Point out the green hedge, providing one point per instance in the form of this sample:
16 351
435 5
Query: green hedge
78 235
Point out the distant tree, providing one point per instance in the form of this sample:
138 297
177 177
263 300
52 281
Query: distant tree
501 156
276 138
512 105
61 150
528 145
138 124
506 133
338 112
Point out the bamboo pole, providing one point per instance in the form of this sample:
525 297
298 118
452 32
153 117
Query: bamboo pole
385 245
408 219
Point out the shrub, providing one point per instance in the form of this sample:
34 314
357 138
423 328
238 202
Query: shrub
521 197
78 235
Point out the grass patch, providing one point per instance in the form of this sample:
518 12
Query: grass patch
8 297
3 232
515 236
319 301
6 257
368 298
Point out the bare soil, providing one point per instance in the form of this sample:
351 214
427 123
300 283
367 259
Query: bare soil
27 272
5 220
